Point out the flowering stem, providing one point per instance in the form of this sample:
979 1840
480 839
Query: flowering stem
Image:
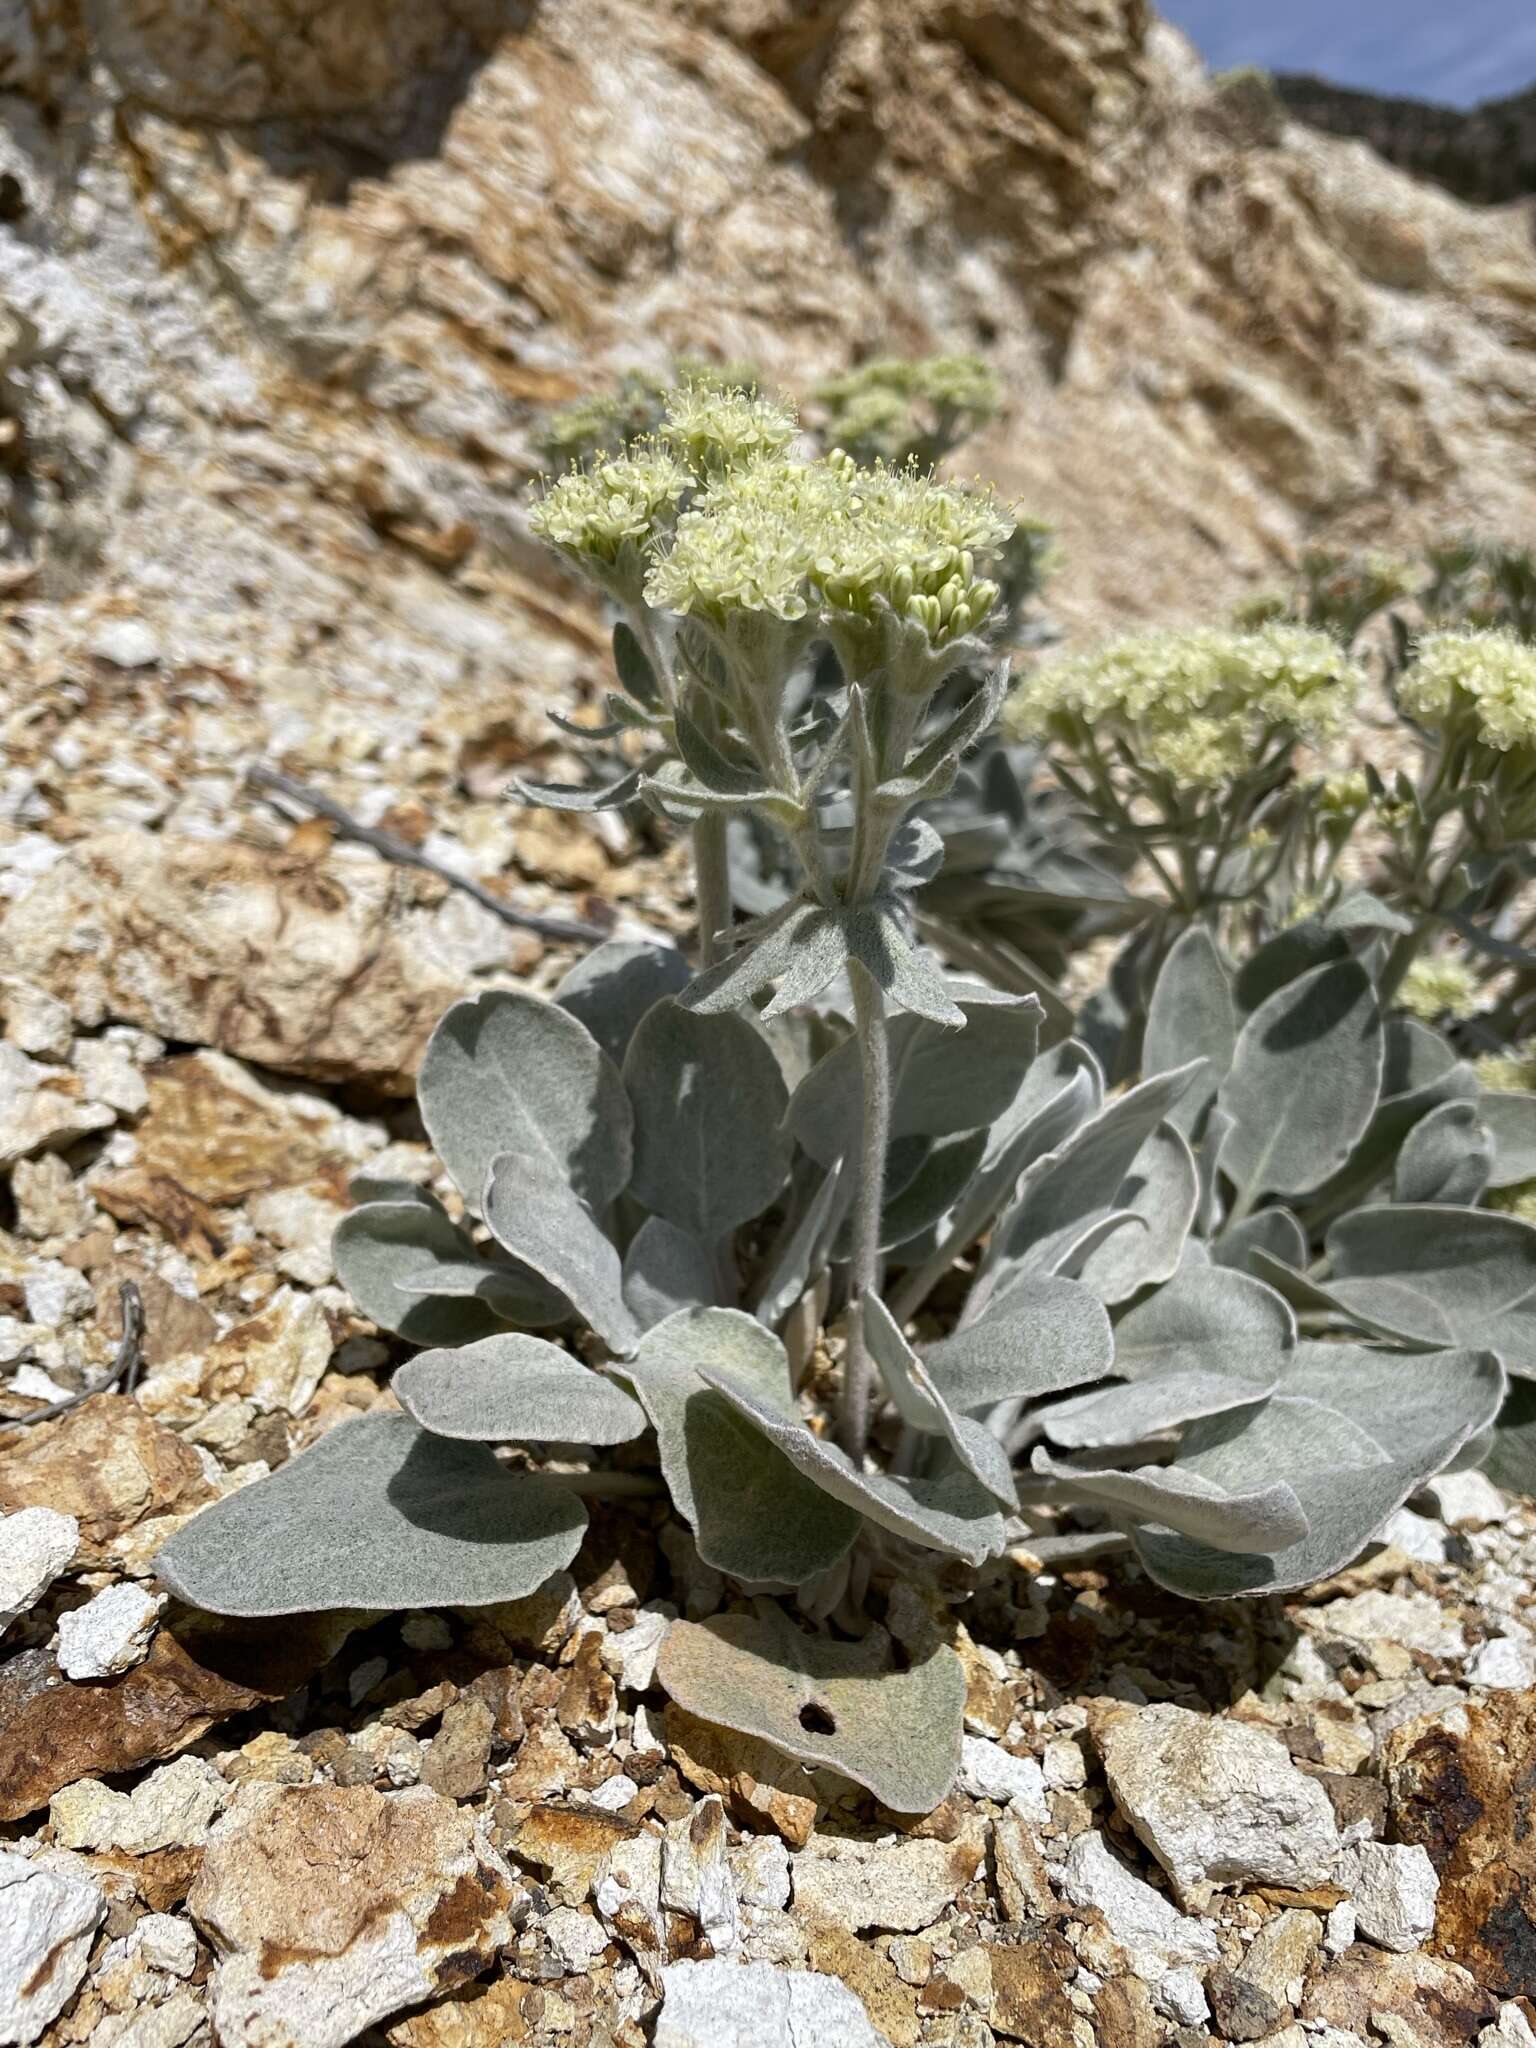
712 887
870 1027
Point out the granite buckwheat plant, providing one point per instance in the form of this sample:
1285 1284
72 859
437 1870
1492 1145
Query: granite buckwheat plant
894 1280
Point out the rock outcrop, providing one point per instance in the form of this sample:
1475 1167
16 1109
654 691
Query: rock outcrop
286 291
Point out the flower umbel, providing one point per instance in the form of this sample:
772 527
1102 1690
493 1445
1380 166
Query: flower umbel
1200 707
603 517
714 429
1484 683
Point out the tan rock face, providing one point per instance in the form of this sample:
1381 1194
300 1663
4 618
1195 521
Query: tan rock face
332 1907
1463 1786
106 1463
302 966
1221 332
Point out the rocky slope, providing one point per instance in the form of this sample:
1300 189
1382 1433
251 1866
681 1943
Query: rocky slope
1484 154
285 289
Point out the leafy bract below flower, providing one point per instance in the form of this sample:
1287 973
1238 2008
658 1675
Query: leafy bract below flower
1439 985
1484 683
713 429
1197 706
604 517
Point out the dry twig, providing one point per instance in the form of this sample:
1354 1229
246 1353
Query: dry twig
403 854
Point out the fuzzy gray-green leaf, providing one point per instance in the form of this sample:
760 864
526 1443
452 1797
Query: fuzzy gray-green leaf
753 1514
950 1513
612 987
922 1406
666 1269
509 1072
1475 1268
844 1705
1304 1082
454 1294
543 1223
1063 1196
1353 1432
1045 1336
940 1084
515 1389
1264 1518
378 1514
1511 1121
709 1100
1446 1157
1209 1341
1191 1014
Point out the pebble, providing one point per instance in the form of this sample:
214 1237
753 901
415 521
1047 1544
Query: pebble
900 1886
1504 1662
614 1794
1181 1995
1404 1621
1342 1927
171 1808
576 1938
48 1916
988 1771
56 1294
753 2005
696 1876
629 1655
35 1021
125 643
330 1908
1418 1536
110 1633
1217 1802
1158 1937
35 1546
167 1943
1467 1500
1510 2030
1395 1889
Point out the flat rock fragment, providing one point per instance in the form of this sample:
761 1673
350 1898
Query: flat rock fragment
1217 1802
48 1917
753 2005
331 1907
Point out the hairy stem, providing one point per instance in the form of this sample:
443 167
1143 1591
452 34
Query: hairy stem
864 1272
712 887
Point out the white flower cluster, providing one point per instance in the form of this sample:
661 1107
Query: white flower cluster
1201 706
1484 683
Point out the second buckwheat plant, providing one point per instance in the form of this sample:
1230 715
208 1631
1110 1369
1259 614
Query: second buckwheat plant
868 1259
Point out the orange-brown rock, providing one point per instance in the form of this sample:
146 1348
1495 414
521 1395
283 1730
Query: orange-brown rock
106 1463
1462 1784
764 1790
1439 2004
198 1672
305 966
1029 1992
